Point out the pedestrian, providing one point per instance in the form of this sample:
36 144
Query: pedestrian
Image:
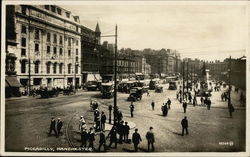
184 124
103 121
59 126
153 105
113 136
184 106
84 138
96 114
52 126
222 97
136 139
110 109
132 109
102 141
126 131
150 138
208 104
190 97
148 93
119 115
91 138
169 103
194 100
120 130
202 100
81 122
165 109
98 124
231 110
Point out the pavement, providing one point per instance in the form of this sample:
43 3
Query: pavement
28 122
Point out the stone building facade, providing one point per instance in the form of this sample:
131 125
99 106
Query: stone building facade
49 46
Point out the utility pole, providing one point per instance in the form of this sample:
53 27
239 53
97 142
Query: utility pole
115 90
187 74
183 75
229 82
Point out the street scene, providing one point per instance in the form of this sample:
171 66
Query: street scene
77 84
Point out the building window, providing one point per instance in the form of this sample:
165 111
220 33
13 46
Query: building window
76 28
23 42
76 69
76 51
23 66
59 11
77 43
54 68
69 53
23 10
36 34
61 51
36 47
54 52
60 42
69 42
37 67
76 58
55 38
48 68
23 29
60 68
48 49
47 7
48 37
23 52
53 8
67 14
69 68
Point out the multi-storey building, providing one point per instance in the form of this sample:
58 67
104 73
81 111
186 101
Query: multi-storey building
90 54
49 46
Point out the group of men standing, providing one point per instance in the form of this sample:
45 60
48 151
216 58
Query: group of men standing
55 126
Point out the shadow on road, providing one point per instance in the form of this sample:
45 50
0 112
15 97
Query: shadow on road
177 133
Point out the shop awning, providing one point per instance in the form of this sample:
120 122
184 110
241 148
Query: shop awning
11 81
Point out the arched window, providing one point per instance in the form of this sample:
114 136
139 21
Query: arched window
69 68
54 68
60 68
48 67
23 66
37 67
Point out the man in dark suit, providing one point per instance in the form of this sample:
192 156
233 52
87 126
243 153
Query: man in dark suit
136 139
84 138
132 107
184 124
151 139
184 106
113 136
91 138
59 126
102 141
126 132
52 126
103 121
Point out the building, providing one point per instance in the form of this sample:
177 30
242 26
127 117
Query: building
90 54
48 46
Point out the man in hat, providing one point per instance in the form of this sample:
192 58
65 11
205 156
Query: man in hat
81 122
59 126
132 109
184 124
169 103
84 137
119 115
96 114
184 105
102 141
153 105
91 138
151 139
113 136
98 123
126 131
103 121
52 126
136 139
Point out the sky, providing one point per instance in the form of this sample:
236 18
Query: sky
197 31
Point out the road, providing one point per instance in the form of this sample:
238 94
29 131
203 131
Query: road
28 120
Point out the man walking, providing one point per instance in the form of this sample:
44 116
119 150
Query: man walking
153 105
208 103
169 103
184 124
52 126
113 136
184 106
151 139
126 131
103 121
132 109
91 138
102 141
84 138
59 126
136 139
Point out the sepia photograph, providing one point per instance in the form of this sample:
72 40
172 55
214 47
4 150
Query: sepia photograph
124 78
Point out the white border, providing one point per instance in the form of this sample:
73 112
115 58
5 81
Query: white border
4 3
